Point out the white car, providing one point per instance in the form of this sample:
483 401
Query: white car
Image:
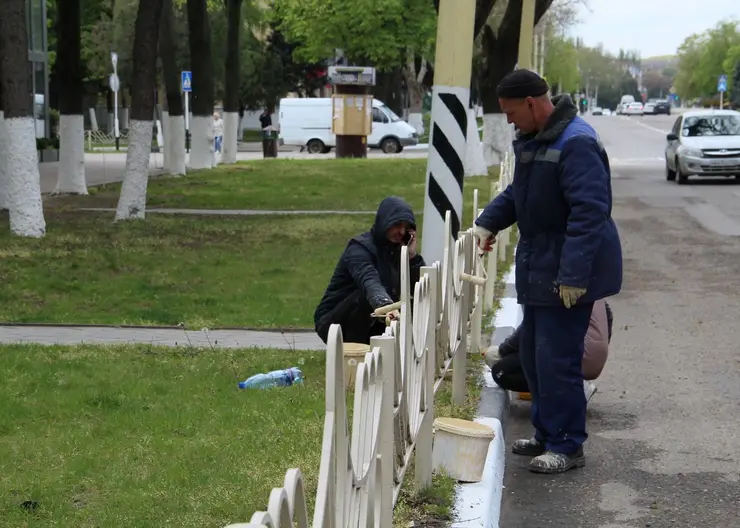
649 108
597 111
633 109
607 112
703 143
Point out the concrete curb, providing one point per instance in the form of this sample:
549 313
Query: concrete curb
478 505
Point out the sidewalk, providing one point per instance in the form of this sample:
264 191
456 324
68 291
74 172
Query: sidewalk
74 335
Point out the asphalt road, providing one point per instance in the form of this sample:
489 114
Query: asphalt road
664 446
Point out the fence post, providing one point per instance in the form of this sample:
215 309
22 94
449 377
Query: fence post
425 436
387 346
460 360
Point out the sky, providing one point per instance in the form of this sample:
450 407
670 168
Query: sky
654 27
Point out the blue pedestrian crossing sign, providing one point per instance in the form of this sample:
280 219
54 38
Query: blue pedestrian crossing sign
722 83
187 81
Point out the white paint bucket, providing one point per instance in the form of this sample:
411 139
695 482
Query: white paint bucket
354 353
460 448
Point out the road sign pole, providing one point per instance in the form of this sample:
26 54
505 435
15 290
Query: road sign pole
187 122
721 100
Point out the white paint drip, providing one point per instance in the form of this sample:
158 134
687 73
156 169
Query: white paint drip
475 163
71 170
201 142
416 121
166 149
176 142
497 138
23 184
231 131
132 202
4 146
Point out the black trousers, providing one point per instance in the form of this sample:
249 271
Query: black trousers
353 315
508 373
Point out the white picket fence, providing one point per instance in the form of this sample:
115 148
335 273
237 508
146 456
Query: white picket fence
361 474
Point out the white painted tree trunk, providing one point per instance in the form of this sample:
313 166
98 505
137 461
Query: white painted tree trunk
416 121
167 147
132 202
240 133
201 142
23 185
71 169
231 135
497 138
177 145
4 146
475 163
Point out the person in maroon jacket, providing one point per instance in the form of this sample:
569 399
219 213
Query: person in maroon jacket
506 368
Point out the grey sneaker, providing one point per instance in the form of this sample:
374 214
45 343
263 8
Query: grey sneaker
551 463
528 447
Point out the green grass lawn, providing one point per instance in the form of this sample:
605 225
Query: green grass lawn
137 436
133 436
336 184
204 271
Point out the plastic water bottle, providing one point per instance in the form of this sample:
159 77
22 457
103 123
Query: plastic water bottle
276 378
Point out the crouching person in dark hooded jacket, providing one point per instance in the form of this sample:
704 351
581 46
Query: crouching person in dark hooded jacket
368 275
568 256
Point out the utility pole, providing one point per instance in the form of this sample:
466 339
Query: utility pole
526 31
449 124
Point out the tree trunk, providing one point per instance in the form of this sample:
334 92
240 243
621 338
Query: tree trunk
201 152
174 139
4 141
500 53
22 162
414 79
388 89
132 202
231 82
71 170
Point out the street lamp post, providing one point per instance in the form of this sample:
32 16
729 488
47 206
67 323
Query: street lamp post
115 85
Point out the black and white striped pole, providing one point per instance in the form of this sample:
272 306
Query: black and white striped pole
448 125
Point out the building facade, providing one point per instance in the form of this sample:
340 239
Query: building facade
38 62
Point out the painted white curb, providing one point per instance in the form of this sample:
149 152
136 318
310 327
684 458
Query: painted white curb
478 505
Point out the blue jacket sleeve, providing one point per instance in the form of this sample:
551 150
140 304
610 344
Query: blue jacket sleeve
500 213
361 267
585 184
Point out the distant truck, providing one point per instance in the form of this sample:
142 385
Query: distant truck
624 102
306 122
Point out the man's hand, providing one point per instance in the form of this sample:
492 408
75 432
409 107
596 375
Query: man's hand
485 238
391 316
412 244
570 294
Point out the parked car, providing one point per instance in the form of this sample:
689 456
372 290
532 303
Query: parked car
597 110
657 107
633 109
703 143
607 112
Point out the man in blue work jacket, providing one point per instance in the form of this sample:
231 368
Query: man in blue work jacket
568 256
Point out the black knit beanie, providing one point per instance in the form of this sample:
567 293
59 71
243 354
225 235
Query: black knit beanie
520 84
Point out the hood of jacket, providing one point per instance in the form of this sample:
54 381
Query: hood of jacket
391 211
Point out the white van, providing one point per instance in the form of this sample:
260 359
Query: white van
306 122
624 102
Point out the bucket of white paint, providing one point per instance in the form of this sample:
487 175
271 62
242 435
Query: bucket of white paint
354 353
460 448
